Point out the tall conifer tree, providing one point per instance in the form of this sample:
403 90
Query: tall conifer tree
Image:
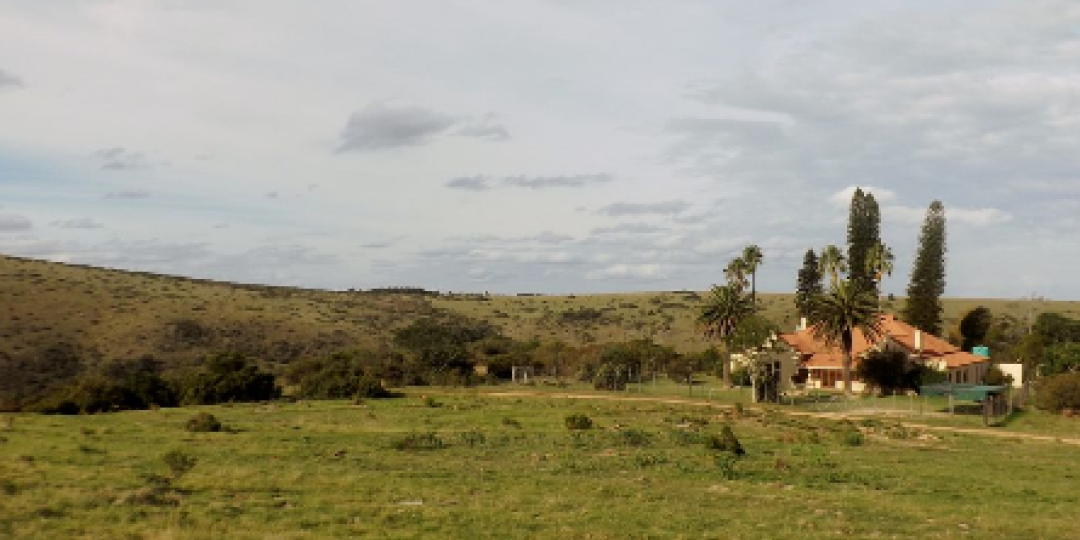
864 232
923 308
809 285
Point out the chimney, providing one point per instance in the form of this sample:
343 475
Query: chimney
802 324
918 341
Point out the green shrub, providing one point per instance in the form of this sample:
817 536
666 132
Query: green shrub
370 387
338 376
634 437
1057 393
649 460
120 386
726 463
229 377
578 421
725 442
418 441
203 423
686 438
179 463
472 438
853 437
510 422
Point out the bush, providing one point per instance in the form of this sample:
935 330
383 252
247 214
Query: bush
888 371
853 437
338 376
472 438
578 421
741 377
229 378
634 437
1060 358
370 387
725 442
995 377
418 441
121 386
179 463
726 463
203 423
1057 393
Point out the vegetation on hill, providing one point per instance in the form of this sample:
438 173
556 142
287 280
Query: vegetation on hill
130 340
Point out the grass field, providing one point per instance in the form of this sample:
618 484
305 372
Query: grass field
488 467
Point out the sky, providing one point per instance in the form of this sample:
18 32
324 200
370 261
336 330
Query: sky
539 146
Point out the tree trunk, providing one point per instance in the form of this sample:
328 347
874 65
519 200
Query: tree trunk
847 344
847 373
753 288
725 367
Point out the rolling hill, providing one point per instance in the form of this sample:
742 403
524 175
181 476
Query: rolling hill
57 317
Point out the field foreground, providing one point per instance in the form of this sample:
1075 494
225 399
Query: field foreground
470 466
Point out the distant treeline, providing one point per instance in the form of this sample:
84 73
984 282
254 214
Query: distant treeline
397 290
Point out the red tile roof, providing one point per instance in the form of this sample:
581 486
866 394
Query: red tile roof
816 353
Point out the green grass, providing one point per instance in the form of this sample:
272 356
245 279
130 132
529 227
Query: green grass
509 468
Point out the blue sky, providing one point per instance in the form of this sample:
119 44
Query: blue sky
538 146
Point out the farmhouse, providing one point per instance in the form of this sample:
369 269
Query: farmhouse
822 365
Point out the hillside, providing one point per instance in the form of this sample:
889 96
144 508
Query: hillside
668 317
56 318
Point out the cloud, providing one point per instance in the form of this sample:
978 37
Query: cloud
542 182
119 158
14 223
975 217
484 183
629 228
484 128
383 244
128 194
635 272
639 209
77 223
548 237
382 127
978 217
469 183
843 197
8 79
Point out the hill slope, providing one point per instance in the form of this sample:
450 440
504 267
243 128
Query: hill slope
56 318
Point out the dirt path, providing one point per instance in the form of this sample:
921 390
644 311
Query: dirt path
830 415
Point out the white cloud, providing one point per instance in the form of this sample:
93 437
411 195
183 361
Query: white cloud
843 197
14 223
747 123
77 223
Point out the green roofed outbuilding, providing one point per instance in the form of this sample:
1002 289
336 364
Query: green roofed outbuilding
994 399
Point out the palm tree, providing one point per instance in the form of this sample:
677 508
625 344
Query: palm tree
879 261
724 310
838 313
751 257
833 262
735 272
